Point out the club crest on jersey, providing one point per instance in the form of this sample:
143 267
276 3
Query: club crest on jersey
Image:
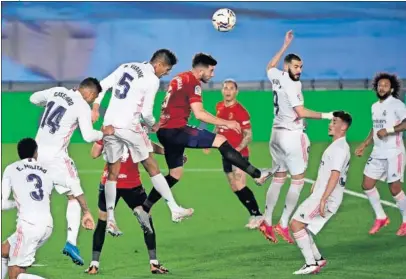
384 113
198 90
231 115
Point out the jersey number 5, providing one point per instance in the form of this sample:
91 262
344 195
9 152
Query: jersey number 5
36 195
275 103
52 119
124 86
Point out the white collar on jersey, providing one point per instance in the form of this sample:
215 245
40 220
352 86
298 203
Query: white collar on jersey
150 66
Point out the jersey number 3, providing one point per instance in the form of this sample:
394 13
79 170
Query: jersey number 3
52 118
38 194
123 86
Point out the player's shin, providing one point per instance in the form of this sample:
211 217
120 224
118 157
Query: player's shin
154 196
401 203
4 267
292 198
150 242
98 240
303 242
315 250
238 160
162 187
73 217
247 198
272 197
375 200
110 192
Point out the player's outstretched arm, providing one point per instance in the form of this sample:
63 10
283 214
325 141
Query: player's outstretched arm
40 98
275 60
6 204
203 115
303 112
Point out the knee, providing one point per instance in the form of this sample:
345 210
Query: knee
70 197
176 173
296 226
151 166
395 188
5 249
219 140
368 183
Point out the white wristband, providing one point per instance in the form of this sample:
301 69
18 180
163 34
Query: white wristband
328 115
390 130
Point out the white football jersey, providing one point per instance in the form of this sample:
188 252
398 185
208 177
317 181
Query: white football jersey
387 114
31 185
335 157
64 110
287 95
134 87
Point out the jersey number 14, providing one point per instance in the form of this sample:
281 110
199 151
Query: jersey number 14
52 118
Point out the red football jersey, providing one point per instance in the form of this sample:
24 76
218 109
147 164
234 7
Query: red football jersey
184 89
129 175
238 113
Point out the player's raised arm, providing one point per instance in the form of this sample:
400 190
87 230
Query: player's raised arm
275 60
6 204
40 98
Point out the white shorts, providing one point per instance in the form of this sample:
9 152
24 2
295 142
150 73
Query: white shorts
387 170
25 242
308 213
289 150
138 145
65 170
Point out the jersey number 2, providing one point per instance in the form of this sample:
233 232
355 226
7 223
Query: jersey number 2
52 119
124 86
275 103
36 195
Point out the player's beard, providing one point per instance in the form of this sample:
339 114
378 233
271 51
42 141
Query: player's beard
292 76
384 97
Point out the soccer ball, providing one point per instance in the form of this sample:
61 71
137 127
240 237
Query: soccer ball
224 20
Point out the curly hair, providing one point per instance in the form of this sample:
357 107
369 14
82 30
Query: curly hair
395 83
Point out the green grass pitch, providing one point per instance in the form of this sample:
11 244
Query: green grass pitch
214 242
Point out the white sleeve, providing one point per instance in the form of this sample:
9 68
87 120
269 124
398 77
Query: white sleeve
106 84
40 98
294 93
6 191
400 111
86 127
274 73
151 88
337 161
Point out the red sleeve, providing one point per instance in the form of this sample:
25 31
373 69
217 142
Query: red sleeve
244 118
194 92
99 142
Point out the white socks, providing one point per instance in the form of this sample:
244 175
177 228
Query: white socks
303 242
292 198
375 200
4 267
29 276
110 193
272 198
73 216
315 250
401 203
162 188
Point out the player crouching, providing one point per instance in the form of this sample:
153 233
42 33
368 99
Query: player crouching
327 195
129 188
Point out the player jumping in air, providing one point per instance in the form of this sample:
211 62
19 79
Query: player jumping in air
231 109
387 160
64 111
31 183
129 188
185 95
134 87
326 197
289 144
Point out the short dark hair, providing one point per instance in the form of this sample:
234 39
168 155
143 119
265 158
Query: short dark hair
92 83
395 83
26 148
203 59
344 116
165 55
231 81
290 57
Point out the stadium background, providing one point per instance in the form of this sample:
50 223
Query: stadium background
342 44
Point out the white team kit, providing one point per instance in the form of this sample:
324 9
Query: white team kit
335 158
134 87
289 145
64 110
387 160
31 184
